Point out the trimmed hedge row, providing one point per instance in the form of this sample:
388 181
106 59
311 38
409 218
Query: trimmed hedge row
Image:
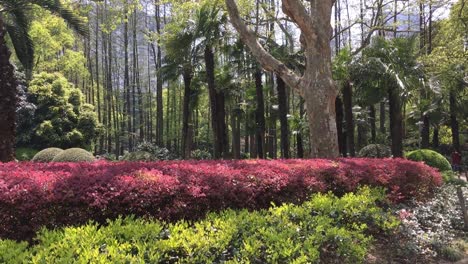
58 194
325 229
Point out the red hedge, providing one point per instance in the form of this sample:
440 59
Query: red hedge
56 194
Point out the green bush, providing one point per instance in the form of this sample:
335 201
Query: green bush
139 156
431 158
25 154
324 229
375 151
46 155
74 155
200 154
158 153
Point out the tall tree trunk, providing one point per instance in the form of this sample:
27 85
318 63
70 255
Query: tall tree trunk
316 85
396 122
454 122
186 114
339 126
435 138
260 115
382 118
300 143
425 131
218 112
8 86
127 102
283 117
349 119
98 90
159 84
236 138
372 118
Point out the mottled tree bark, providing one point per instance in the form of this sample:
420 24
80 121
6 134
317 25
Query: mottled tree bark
454 122
316 85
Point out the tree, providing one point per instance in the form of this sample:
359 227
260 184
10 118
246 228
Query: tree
316 85
15 22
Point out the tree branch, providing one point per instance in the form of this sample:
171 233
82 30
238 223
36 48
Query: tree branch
266 60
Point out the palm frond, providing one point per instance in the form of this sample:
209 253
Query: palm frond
18 28
76 22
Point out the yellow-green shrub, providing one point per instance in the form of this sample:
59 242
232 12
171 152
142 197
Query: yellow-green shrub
324 228
46 155
74 155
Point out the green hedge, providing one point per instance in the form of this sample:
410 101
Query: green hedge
375 151
326 228
74 155
47 155
431 158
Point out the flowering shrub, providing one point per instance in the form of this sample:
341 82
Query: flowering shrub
56 194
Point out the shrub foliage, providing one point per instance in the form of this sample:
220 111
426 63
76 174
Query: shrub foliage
74 155
375 151
46 155
431 158
323 229
57 194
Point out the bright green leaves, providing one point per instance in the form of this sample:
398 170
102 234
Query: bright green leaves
324 228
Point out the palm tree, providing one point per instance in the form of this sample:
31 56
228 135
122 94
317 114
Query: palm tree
15 22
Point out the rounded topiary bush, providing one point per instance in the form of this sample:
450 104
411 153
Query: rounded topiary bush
74 155
375 151
46 155
139 156
431 158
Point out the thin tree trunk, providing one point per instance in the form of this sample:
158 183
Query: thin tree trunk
217 107
349 119
127 104
382 118
283 116
435 138
8 86
186 115
260 115
425 132
159 84
396 122
300 143
339 126
372 119
454 122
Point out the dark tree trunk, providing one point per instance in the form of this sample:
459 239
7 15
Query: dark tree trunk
300 143
454 122
339 126
349 119
159 84
260 115
127 102
218 112
283 117
372 119
425 131
382 118
236 142
186 115
396 122
7 101
435 138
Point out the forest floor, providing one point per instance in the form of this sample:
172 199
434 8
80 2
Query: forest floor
431 232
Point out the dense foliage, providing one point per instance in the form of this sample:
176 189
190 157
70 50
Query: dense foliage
60 117
431 158
57 194
325 228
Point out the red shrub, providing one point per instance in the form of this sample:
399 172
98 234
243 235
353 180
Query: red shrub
56 194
